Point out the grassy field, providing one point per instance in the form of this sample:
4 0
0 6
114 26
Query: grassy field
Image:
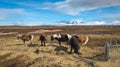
13 53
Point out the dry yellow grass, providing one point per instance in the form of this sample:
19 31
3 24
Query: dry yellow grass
51 57
14 53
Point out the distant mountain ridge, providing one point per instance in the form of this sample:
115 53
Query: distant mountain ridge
80 22
71 22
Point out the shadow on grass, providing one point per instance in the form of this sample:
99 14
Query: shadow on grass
32 45
19 44
52 44
61 48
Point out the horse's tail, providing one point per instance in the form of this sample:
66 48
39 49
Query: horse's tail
86 40
31 37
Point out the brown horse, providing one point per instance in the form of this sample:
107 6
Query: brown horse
25 37
82 39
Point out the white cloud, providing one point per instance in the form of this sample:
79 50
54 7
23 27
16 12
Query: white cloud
4 13
74 7
32 24
97 23
17 23
111 16
11 11
2 17
114 23
12 23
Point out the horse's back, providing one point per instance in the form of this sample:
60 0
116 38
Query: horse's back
81 38
64 38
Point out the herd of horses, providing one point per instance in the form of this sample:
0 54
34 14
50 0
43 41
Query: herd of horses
72 40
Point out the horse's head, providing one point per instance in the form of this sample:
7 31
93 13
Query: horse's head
55 36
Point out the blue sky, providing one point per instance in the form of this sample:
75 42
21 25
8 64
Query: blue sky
47 12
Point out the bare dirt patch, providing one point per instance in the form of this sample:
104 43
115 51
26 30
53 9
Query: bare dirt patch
45 31
8 33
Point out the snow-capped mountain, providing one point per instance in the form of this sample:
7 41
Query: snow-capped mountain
72 22
80 22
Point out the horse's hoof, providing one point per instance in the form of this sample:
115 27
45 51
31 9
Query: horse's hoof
79 53
70 52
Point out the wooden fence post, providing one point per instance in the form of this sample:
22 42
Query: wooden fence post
107 48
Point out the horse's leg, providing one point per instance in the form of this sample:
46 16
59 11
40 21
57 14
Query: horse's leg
59 43
41 43
67 43
71 50
75 51
44 43
31 42
24 41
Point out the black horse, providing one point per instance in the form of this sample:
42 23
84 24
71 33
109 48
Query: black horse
74 43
